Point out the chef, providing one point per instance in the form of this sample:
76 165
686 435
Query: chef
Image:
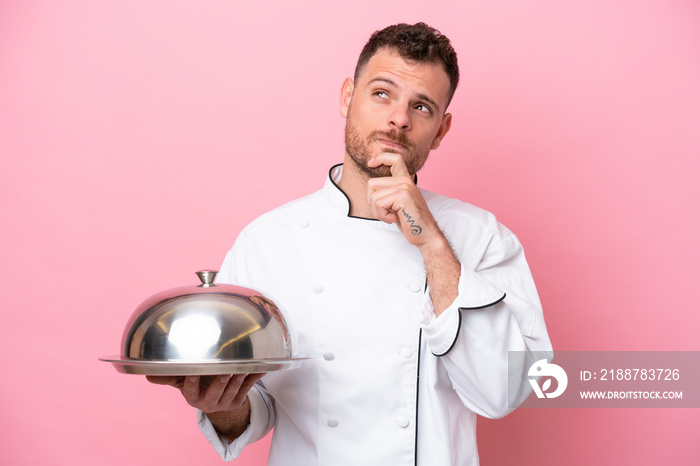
407 301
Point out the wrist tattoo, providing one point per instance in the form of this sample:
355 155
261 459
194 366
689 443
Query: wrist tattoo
415 229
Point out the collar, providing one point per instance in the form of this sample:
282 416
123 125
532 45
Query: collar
337 198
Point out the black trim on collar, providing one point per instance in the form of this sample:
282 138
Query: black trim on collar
330 177
459 324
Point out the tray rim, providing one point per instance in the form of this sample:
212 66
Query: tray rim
207 367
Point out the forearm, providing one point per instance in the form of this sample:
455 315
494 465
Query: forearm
231 424
442 272
497 311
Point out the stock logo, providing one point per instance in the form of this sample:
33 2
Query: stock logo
547 371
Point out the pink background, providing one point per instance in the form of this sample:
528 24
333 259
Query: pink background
139 137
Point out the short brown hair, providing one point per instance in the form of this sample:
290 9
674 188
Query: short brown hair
419 43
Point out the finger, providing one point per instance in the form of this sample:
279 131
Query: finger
403 186
250 380
386 203
231 390
236 390
246 386
190 389
172 380
385 214
211 398
390 159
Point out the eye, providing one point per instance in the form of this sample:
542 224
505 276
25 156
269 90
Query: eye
423 108
381 94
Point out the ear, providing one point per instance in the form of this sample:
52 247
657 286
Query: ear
444 128
346 96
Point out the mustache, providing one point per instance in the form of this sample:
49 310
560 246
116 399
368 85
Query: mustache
393 136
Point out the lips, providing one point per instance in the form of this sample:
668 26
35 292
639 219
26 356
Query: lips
391 144
392 140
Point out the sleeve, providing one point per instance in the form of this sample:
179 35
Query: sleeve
261 423
497 311
234 270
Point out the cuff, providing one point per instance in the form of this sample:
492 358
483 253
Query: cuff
474 292
255 430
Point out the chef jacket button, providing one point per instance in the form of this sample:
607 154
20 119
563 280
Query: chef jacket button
406 352
328 356
318 288
415 287
403 422
303 223
332 423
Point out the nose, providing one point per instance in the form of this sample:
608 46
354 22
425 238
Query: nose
399 118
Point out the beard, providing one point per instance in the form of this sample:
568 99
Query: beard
359 150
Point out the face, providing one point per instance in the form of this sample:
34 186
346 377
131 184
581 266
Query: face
395 106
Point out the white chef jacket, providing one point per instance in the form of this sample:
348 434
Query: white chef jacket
388 383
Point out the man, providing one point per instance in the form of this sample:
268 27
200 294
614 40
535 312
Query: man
407 301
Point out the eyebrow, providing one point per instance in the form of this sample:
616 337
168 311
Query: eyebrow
419 95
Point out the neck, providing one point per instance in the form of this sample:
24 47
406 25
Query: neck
354 185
